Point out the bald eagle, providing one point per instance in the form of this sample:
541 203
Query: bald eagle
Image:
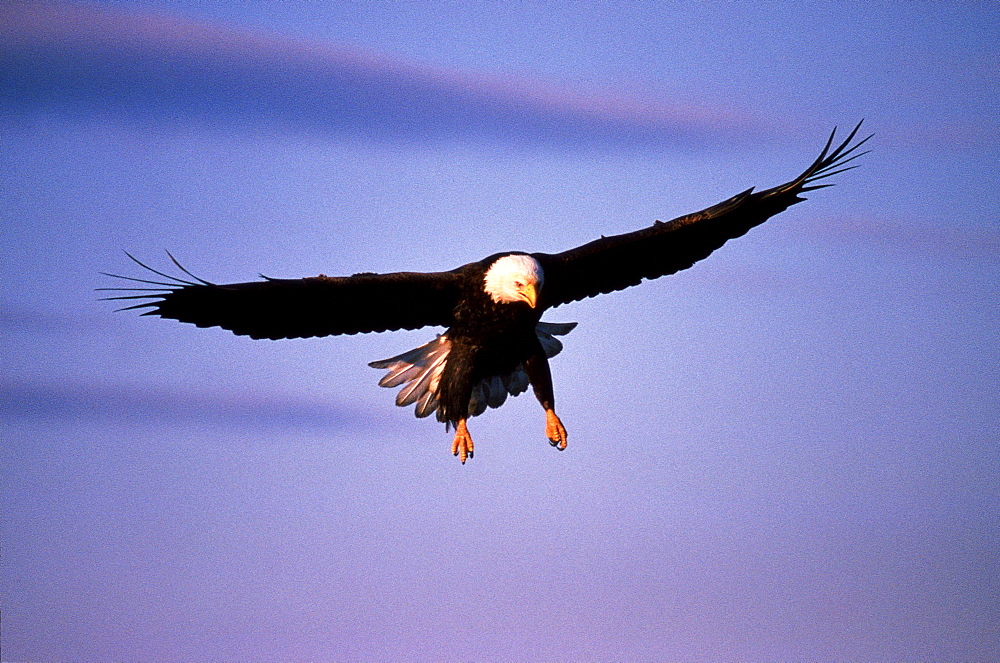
495 343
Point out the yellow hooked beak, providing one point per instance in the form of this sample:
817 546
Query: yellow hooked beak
529 294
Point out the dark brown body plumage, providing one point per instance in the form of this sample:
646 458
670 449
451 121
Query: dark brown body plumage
487 339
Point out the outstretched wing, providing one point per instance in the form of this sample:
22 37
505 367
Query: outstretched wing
300 308
621 261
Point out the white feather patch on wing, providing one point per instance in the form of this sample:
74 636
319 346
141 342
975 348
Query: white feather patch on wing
420 371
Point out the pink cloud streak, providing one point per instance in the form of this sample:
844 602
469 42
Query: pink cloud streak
81 29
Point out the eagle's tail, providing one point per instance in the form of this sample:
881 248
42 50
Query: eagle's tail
420 369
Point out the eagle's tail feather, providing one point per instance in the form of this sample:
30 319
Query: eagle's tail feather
420 370
546 331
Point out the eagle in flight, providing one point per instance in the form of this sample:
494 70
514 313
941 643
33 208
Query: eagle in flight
495 343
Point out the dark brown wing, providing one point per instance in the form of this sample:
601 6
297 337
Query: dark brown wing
615 263
300 308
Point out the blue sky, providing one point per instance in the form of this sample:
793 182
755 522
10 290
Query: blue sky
787 452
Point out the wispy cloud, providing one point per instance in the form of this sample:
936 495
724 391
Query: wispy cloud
944 245
943 240
81 59
23 319
45 401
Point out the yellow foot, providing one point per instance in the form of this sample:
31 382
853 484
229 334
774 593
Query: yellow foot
554 430
462 445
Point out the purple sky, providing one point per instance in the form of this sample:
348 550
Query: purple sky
788 452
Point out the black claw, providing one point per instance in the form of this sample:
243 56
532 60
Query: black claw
553 442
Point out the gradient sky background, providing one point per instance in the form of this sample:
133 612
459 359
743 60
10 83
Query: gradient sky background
789 452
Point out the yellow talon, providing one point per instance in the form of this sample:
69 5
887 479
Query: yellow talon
554 430
462 445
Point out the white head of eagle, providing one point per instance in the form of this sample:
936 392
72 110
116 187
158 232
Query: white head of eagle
514 278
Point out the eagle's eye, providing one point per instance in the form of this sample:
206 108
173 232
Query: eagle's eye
518 284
